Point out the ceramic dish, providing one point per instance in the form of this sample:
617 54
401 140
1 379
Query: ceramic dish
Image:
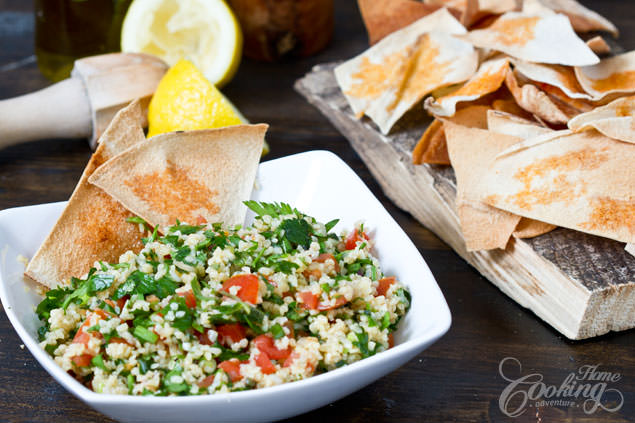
317 183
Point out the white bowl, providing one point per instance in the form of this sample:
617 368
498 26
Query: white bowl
317 183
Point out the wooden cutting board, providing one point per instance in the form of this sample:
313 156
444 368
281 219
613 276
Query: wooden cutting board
582 285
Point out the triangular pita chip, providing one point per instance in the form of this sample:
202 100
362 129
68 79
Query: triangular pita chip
364 78
471 150
486 80
510 106
509 124
437 60
530 228
544 39
630 248
559 76
598 45
534 100
383 17
615 120
612 75
192 175
93 225
582 181
581 18
431 147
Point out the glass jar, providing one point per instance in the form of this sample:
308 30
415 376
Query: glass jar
66 30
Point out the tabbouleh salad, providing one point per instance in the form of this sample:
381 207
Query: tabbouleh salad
206 309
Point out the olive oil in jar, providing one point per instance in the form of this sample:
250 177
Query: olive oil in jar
66 30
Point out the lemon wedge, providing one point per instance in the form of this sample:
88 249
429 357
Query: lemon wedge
206 32
185 99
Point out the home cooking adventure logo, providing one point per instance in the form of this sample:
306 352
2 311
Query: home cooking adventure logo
588 388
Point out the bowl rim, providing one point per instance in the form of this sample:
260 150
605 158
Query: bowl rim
437 328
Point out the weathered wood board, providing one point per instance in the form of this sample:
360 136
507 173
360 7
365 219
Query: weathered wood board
580 284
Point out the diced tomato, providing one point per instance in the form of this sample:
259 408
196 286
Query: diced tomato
231 332
289 325
309 300
289 360
312 273
118 341
353 238
120 302
265 344
339 301
322 258
82 360
203 338
264 362
391 340
384 284
190 299
206 382
232 368
248 287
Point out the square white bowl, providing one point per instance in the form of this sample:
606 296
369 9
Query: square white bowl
317 183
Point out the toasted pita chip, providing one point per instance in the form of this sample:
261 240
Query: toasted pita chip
544 39
383 17
437 60
530 228
93 225
472 116
559 76
630 248
598 45
510 106
471 150
581 18
487 79
364 78
615 120
192 175
535 101
509 124
582 181
431 147
612 75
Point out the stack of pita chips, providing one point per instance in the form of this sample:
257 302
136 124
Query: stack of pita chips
539 130
193 176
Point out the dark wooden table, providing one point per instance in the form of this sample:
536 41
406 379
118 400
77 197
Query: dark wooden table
457 379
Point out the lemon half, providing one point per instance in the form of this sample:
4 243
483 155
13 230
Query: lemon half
205 32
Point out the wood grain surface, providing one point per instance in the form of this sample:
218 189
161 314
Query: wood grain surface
456 380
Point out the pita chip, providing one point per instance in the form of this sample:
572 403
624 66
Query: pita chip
530 228
581 18
486 80
612 75
630 248
535 101
93 225
544 39
192 175
509 124
559 76
615 120
582 181
431 147
383 17
471 150
364 78
437 60
598 45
